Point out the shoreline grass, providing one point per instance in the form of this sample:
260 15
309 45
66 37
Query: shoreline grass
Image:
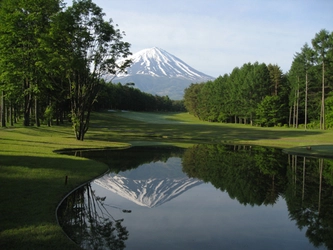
32 183
32 174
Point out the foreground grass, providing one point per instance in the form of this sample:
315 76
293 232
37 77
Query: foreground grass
32 183
32 176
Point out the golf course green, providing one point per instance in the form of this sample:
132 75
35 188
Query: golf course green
32 174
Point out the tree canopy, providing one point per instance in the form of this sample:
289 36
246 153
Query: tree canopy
262 95
54 61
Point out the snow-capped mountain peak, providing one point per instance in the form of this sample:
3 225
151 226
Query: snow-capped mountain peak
150 192
157 62
151 184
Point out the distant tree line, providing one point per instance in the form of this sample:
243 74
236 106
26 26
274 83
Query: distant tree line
262 95
127 97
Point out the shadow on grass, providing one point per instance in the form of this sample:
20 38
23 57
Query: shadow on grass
31 188
128 128
24 141
43 130
193 132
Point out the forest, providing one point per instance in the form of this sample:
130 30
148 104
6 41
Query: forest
55 61
262 95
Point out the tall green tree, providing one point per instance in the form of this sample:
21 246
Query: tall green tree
258 79
220 98
275 75
329 113
322 44
90 49
23 25
2 109
307 59
269 111
207 106
294 76
234 94
191 94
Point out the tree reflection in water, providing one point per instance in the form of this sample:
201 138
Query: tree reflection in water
252 175
259 175
309 197
84 217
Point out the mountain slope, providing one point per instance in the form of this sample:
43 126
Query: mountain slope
158 72
159 63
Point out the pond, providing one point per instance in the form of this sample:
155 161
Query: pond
203 197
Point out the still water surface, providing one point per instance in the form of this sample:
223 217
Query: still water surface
204 197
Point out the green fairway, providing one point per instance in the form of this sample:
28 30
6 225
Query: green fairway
32 175
182 129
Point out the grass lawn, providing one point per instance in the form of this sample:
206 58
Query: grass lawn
32 183
32 175
183 129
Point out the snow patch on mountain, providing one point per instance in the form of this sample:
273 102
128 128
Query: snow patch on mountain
157 62
150 192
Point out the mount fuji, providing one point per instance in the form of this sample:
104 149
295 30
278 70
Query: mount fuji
156 71
151 184
149 192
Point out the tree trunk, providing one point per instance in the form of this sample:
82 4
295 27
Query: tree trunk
37 121
27 104
15 113
84 125
290 112
322 110
294 111
297 105
58 114
11 116
3 108
306 100
49 112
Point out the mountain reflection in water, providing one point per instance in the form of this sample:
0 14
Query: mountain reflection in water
150 185
206 196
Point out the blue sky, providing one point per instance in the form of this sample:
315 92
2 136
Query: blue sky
215 36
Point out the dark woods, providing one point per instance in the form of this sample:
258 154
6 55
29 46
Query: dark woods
127 97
